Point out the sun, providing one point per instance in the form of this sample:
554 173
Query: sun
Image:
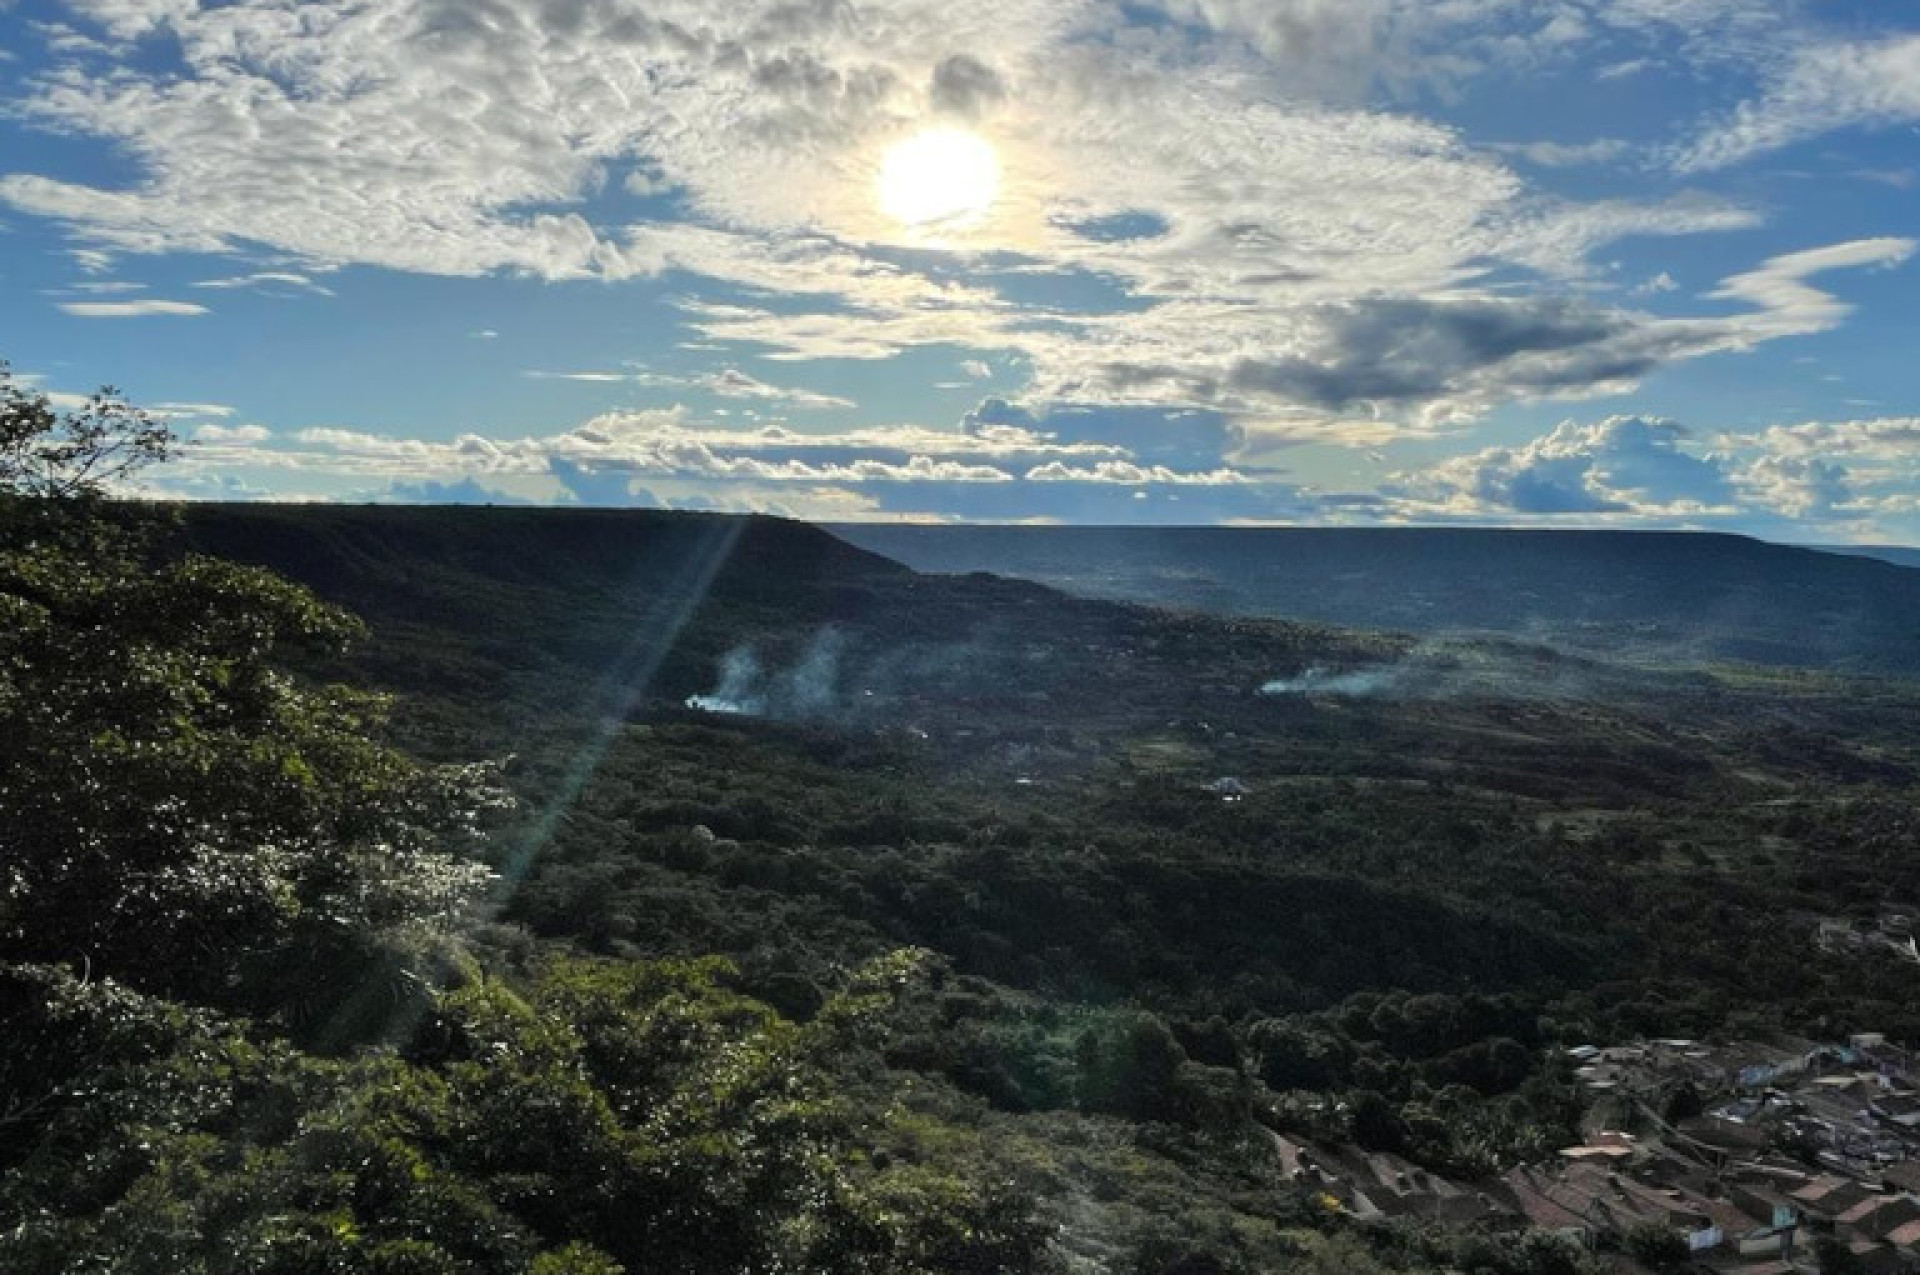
941 178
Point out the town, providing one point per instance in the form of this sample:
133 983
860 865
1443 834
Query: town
1750 1158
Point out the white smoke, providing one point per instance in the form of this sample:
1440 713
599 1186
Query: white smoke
1318 681
747 688
741 678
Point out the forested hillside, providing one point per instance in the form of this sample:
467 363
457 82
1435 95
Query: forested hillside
1275 841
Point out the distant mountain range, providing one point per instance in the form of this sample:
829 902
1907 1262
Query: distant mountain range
1897 555
542 593
1694 597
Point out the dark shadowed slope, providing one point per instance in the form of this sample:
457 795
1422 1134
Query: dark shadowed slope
567 609
512 612
1687 596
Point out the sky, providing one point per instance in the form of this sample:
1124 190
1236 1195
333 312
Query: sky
1539 262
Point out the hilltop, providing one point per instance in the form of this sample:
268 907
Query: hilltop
1678 596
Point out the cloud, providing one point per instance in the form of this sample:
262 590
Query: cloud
1177 438
1790 306
1624 464
130 309
1850 479
733 383
1229 208
236 434
268 281
966 87
98 288
1799 487
190 410
466 491
1128 474
1888 439
725 383
1569 154
133 19
1823 88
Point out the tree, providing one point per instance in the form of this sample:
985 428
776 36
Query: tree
237 1027
1833 1257
75 454
1656 1246
182 814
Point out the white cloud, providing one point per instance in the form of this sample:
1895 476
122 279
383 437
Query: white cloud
1894 440
733 383
725 383
237 434
1289 251
98 288
1128 474
1790 306
190 410
267 281
1621 465
130 309
131 19
1822 88
92 260
1569 154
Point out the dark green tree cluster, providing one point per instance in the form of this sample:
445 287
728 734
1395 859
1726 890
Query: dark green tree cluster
239 1027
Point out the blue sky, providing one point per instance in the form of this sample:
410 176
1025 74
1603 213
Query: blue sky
1562 262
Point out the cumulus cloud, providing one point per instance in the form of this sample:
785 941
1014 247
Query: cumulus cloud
1888 439
1845 479
1624 464
1799 487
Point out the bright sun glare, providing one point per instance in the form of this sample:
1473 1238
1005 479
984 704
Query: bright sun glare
941 177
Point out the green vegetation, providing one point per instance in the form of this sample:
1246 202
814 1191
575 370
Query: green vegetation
448 938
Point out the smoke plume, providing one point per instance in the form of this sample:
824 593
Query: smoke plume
807 688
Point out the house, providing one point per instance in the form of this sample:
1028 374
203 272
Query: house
1878 1216
1905 1239
1827 1197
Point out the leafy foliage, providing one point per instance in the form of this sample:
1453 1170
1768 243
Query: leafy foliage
77 454
613 1115
183 815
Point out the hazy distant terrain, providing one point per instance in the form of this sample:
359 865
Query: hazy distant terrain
1669 595
1897 555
